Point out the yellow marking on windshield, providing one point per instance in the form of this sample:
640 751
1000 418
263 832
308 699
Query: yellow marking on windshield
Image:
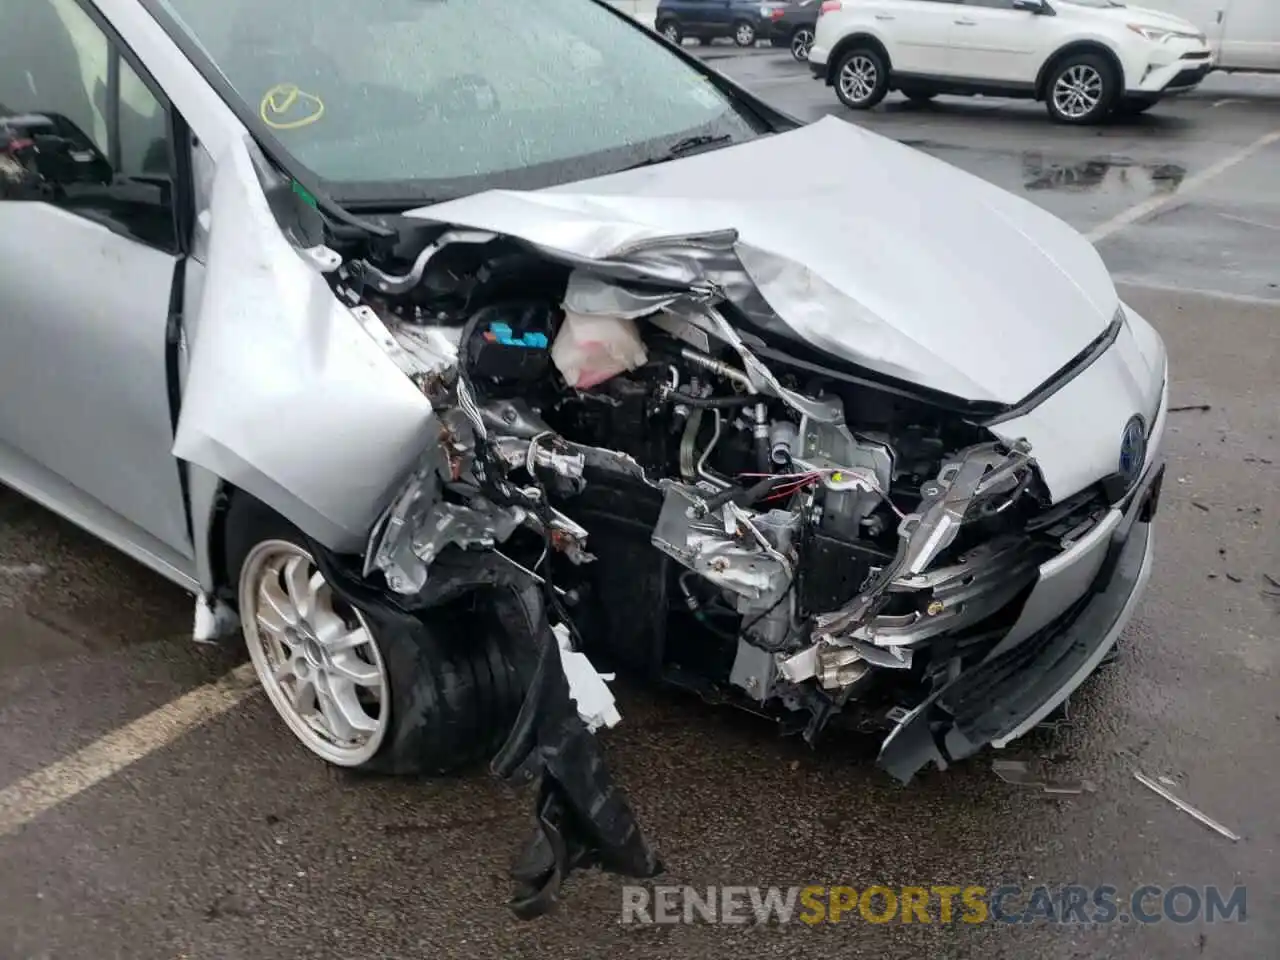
281 99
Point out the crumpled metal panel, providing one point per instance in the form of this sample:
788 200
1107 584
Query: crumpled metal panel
287 396
879 254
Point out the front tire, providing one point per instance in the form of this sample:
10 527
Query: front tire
367 687
1081 89
671 30
862 78
801 41
744 34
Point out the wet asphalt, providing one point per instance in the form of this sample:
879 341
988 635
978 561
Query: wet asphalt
231 843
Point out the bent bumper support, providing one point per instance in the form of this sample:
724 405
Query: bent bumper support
1005 696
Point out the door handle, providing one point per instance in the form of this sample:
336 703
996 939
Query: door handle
966 23
885 16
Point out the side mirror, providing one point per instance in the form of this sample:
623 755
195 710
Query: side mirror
1031 6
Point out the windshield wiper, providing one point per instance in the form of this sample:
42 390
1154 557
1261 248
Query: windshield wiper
689 144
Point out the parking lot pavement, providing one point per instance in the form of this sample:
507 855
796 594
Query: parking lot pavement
226 841
1196 174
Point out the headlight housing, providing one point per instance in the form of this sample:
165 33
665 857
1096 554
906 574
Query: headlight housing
1160 34
1154 34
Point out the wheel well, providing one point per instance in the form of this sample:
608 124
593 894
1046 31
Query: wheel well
235 510
1081 46
847 44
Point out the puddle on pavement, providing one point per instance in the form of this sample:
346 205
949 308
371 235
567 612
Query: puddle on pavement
1100 174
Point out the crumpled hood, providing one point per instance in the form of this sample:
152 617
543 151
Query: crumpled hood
879 254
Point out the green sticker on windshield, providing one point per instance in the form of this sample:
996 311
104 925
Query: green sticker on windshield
305 194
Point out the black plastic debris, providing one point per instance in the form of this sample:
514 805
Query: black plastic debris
581 817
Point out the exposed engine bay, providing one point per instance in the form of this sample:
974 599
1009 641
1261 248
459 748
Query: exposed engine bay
698 503
798 534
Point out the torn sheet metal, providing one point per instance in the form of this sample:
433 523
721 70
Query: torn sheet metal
287 396
967 331
730 558
981 475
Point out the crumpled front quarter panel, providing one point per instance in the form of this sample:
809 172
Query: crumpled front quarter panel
286 396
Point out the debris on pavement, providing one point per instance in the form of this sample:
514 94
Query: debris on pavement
214 620
1199 506
1192 408
1019 773
1185 807
1234 579
1271 580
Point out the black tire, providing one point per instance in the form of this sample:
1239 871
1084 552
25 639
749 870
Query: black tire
1095 80
800 41
919 96
868 64
1132 108
454 691
744 33
671 30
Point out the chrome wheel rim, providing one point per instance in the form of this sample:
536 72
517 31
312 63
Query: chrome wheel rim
858 78
1078 91
314 654
671 32
801 43
746 34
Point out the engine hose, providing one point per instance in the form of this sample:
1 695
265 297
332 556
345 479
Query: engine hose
764 459
709 403
742 496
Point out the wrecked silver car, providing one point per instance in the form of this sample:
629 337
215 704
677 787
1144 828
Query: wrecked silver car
445 347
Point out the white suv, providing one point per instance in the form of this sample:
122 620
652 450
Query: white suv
1083 58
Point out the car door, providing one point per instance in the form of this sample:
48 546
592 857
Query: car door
90 221
1251 35
995 42
916 34
692 14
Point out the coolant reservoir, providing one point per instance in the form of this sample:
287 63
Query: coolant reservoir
590 349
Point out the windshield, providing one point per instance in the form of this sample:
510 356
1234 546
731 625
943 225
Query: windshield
431 99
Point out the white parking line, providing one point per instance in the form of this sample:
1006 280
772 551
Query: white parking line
1189 185
22 802
1250 222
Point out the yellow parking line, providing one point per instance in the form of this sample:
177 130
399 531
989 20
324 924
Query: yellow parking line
22 802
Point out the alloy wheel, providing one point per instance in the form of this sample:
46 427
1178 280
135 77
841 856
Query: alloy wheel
858 78
671 32
801 41
314 654
745 35
1078 91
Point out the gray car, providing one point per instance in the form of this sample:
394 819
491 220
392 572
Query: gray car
444 347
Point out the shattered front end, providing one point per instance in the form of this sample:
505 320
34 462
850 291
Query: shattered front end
628 445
